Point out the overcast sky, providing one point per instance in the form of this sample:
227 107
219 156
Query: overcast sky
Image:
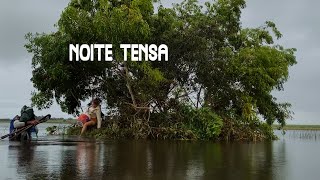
297 20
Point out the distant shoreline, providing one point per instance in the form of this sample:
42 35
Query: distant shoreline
298 127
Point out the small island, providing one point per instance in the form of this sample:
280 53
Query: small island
216 85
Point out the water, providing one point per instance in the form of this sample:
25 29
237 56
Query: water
294 156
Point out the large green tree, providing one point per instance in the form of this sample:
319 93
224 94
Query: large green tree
213 62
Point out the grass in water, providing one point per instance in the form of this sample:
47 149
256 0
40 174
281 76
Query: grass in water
298 127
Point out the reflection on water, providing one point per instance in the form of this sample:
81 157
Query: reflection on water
313 135
54 157
139 159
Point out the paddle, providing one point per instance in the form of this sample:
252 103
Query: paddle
19 131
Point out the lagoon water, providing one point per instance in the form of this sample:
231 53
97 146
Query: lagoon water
294 157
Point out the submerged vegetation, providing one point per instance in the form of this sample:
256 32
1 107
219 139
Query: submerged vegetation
113 130
216 85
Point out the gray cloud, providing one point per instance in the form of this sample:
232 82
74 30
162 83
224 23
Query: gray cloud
299 23
19 17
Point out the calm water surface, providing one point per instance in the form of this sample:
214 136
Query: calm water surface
294 156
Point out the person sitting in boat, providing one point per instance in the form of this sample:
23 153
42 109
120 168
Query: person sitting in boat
15 124
27 117
92 116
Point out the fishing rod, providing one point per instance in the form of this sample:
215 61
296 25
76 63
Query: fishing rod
19 131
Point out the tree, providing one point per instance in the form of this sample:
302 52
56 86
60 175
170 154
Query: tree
213 62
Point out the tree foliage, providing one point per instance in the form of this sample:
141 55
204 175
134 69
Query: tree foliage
214 63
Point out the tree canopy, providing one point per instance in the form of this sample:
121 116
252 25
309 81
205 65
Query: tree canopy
214 62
